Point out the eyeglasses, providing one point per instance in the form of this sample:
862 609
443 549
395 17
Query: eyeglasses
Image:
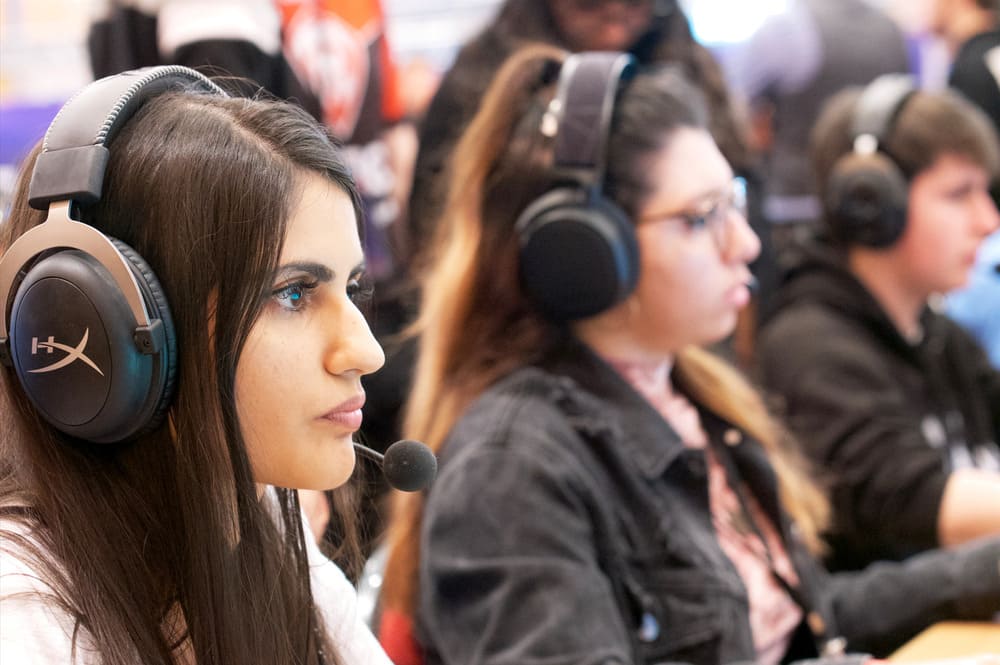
716 217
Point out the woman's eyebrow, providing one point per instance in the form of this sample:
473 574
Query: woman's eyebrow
707 195
710 193
317 270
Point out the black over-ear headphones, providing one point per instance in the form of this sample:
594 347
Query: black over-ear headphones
866 198
579 254
85 325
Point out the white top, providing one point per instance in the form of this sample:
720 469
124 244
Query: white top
34 629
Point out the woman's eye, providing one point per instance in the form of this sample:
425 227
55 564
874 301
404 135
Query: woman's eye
359 290
960 192
294 296
717 212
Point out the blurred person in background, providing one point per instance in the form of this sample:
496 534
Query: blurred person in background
791 65
896 405
610 492
653 31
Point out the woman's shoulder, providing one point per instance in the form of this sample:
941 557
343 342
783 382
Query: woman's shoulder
37 626
22 552
337 601
532 423
530 404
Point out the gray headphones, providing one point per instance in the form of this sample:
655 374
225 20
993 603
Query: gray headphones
86 326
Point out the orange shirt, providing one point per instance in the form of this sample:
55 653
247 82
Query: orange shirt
339 51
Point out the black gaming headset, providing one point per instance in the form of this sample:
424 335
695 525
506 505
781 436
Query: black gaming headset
85 324
578 251
866 197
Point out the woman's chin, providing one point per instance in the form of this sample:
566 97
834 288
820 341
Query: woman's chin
721 331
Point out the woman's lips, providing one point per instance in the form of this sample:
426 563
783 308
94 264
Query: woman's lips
347 414
739 295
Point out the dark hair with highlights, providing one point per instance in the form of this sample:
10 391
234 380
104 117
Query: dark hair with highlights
476 324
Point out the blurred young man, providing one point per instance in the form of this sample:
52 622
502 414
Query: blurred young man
895 403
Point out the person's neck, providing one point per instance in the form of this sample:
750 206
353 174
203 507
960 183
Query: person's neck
648 372
650 377
902 303
967 24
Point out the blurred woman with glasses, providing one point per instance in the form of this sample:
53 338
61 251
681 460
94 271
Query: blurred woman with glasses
653 31
610 492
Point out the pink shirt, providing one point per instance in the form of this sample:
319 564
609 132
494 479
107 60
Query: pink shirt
773 613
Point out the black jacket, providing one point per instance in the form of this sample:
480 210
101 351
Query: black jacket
569 524
972 75
884 420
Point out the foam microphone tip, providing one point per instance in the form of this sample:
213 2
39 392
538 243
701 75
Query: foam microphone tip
409 465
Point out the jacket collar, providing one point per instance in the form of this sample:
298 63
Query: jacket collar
641 431
744 459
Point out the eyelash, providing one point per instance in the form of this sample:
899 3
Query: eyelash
360 290
301 292
296 296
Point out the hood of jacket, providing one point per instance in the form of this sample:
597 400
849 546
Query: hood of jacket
817 273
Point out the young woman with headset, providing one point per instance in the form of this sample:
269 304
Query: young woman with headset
897 403
609 492
181 337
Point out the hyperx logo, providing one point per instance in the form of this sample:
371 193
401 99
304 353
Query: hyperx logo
72 354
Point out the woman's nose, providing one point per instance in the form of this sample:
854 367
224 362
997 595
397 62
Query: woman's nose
743 245
354 349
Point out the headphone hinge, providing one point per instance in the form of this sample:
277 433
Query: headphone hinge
150 339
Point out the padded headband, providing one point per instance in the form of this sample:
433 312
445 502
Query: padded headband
877 109
71 168
74 153
584 102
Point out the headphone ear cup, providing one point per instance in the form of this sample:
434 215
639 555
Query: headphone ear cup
73 347
867 201
162 391
579 255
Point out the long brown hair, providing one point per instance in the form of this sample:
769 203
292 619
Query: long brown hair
475 323
163 542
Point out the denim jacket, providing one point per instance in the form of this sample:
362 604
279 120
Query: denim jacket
569 524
